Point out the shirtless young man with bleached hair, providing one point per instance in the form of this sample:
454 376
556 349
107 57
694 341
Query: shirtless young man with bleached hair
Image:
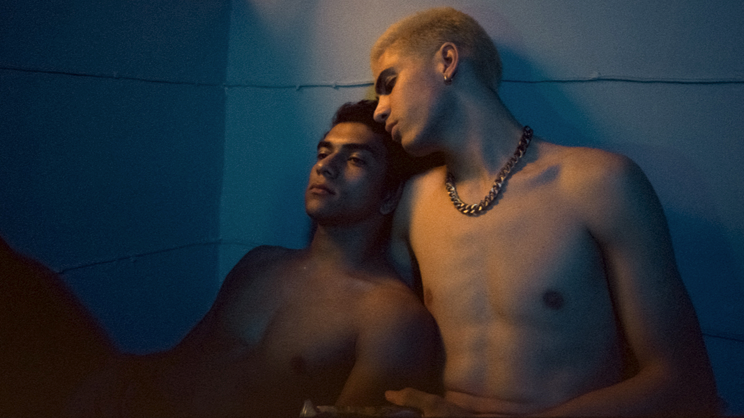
559 293
332 323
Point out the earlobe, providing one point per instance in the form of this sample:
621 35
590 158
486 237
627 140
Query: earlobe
391 200
450 59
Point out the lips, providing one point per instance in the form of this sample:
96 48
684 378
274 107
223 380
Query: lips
389 127
394 133
321 189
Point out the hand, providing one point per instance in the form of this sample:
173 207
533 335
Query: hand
430 405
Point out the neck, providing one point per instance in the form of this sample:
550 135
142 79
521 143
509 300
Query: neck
481 137
349 247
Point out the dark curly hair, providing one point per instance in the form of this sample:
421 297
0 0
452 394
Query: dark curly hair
398 162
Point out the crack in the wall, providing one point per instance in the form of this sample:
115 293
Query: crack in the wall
133 257
366 83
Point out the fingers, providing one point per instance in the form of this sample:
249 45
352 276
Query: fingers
409 397
430 405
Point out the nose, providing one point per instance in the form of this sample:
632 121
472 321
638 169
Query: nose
327 166
382 111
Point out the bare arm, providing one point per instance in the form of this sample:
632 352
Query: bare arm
652 305
398 346
400 253
203 372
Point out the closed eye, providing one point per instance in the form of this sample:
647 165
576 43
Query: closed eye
357 161
388 85
385 82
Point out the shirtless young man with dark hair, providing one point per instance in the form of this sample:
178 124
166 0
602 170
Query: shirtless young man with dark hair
332 323
555 285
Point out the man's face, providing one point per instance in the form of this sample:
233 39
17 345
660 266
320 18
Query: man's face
346 182
408 87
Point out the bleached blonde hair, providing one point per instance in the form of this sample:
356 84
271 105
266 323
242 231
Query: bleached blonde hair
423 33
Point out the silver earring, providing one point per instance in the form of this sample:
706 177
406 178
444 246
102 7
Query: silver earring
447 80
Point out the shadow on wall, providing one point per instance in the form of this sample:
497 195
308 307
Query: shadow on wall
542 106
50 342
705 257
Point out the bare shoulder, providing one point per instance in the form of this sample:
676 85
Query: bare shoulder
416 188
255 273
395 324
582 166
394 307
263 255
610 191
392 293
432 178
258 260
594 176
248 275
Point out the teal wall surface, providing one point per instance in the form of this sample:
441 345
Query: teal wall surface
111 147
146 145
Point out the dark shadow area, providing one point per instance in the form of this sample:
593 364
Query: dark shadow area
50 343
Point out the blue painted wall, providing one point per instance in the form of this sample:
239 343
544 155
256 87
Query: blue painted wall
111 148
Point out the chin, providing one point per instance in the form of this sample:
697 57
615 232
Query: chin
415 146
320 216
314 213
416 150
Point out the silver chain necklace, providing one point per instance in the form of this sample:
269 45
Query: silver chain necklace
475 210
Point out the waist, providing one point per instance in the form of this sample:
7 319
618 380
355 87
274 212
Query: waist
479 404
528 391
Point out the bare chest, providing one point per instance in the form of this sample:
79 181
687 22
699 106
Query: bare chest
310 336
528 259
305 327
517 290
300 337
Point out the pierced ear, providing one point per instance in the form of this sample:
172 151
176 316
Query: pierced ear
392 197
450 59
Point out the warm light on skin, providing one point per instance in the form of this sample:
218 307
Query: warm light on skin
346 183
409 89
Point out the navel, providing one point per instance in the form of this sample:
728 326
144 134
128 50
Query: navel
553 299
298 366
